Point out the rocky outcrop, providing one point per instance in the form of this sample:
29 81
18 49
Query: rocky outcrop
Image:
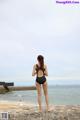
20 111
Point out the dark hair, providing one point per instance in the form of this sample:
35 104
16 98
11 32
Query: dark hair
40 58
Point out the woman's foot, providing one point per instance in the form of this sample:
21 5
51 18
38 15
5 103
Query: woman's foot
48 109
40 109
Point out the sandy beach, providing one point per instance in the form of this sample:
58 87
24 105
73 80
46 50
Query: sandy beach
25 111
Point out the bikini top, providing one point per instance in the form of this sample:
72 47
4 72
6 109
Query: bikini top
38 68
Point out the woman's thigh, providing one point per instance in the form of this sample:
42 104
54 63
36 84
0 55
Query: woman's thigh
38 87
45 88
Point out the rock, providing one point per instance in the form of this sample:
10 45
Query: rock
29 112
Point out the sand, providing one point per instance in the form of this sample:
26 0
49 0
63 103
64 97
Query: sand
26 111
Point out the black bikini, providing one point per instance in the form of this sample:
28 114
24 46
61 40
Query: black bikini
40 80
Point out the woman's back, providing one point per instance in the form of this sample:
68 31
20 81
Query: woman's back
40 72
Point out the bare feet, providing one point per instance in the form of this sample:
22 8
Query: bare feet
40 109
48 109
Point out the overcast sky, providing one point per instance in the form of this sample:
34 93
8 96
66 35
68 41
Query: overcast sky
32 27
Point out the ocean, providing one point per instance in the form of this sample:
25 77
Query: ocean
58 95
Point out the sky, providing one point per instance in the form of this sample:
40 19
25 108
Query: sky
29 28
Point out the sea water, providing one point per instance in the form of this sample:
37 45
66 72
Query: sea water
58 95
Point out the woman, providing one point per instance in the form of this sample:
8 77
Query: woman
40 70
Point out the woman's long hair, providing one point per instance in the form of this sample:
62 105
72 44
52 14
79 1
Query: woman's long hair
40 59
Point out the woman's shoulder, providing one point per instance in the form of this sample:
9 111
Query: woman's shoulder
34 65
45 66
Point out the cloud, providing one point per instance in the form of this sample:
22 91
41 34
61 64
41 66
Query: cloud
41 27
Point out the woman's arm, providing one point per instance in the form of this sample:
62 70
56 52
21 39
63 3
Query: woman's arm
33 71
46 70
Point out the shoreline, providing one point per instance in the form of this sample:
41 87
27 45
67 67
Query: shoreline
26 111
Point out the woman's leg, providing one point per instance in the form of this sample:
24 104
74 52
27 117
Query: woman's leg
45 89
38 87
